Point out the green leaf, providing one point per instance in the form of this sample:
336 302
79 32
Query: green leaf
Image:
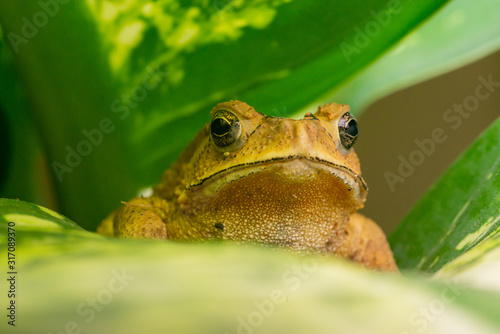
71 89
460 33
102 285
460 211
23 171
32 217
478 267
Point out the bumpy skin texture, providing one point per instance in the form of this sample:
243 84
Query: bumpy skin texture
282 182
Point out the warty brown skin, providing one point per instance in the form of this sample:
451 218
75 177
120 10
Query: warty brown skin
282 182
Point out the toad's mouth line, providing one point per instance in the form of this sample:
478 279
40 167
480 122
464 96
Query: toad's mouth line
325 165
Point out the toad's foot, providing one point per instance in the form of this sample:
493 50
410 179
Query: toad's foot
366 244
142 218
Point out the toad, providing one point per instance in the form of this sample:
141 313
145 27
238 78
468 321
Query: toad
252 178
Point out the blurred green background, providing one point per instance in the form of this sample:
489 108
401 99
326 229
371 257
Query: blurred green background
151 71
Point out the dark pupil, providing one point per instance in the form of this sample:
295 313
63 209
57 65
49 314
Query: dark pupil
352 128
348 130
220 127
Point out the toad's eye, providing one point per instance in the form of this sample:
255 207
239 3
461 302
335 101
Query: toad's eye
348 130
225 128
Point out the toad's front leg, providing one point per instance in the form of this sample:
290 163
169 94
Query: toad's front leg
142 218
365 243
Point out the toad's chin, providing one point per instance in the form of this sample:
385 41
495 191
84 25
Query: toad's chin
299 170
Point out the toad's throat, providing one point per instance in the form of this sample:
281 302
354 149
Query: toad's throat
293 205
351 178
